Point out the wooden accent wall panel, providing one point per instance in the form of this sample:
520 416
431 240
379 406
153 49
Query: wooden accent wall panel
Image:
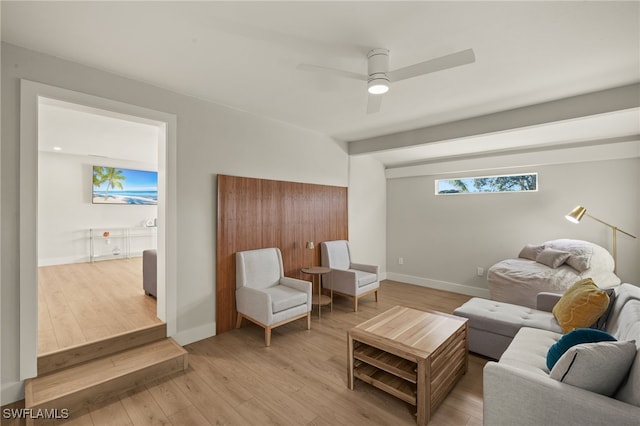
259 213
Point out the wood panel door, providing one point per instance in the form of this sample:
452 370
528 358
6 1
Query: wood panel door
259 213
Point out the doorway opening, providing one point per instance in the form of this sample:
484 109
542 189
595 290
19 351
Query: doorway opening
97 213
35 96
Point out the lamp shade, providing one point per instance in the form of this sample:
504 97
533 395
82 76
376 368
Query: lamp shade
310 245
576 214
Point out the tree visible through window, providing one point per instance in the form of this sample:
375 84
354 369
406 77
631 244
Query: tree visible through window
527 182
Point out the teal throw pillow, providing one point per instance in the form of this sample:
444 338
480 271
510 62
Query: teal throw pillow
575 337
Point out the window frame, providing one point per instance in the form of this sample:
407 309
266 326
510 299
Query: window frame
537 179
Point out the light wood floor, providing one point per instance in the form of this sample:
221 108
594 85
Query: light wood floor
300 380
83 302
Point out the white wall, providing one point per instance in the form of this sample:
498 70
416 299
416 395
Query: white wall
211 139
1 226
66 212
368 212
443 239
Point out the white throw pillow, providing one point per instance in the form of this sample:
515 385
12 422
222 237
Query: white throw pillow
552 258
580 258
597 367
531 251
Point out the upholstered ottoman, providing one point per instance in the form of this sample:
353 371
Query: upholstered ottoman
492 324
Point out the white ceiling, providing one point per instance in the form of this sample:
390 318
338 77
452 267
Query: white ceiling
73 129
244 55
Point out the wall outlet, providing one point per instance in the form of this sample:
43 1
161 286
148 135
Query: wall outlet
401 261
480 271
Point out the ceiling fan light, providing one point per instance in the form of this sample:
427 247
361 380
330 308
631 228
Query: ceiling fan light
378 86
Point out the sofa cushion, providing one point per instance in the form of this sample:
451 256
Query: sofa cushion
504 319
624 323
601 322
364 278
528 350
629 391
596 367
575 337
624 320
336 254
283 297
581 305
259 268
531 251
552 258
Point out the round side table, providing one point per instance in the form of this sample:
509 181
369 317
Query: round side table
319 299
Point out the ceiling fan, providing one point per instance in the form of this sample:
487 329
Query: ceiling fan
379 77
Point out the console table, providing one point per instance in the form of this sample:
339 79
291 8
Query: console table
114 243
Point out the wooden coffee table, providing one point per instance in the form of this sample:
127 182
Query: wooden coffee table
417 356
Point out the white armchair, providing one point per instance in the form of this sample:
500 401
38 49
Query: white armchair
265 296
348 279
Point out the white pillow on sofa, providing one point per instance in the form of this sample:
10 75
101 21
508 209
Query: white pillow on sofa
581 252
552 258
580 260
598 367
531 251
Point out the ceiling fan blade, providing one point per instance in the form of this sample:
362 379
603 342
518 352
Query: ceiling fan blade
340 73
437 64
373 104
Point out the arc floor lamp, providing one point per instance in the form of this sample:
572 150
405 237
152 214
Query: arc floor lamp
579 212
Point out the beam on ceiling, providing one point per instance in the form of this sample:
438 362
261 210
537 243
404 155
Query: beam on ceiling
601 150
600 102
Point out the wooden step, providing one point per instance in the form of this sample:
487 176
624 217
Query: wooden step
83 385
68 357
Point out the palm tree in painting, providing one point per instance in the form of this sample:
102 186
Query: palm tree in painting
111 175
98 172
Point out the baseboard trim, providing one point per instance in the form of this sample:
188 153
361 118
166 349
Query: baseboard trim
52 261
195 334
440 285
12 392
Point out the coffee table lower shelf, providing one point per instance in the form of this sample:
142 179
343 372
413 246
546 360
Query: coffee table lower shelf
389 383
385 361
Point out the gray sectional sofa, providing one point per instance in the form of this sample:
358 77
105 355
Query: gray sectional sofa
518 389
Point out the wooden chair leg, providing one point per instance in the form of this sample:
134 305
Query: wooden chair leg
267 336
355 304
239 320
376 296
309 320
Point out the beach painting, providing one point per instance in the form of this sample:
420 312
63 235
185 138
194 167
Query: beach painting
112 185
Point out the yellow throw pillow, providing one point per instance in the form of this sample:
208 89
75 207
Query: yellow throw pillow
581 305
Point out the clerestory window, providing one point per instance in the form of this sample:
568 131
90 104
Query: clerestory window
526 182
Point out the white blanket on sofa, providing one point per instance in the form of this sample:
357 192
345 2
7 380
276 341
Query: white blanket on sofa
519 281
